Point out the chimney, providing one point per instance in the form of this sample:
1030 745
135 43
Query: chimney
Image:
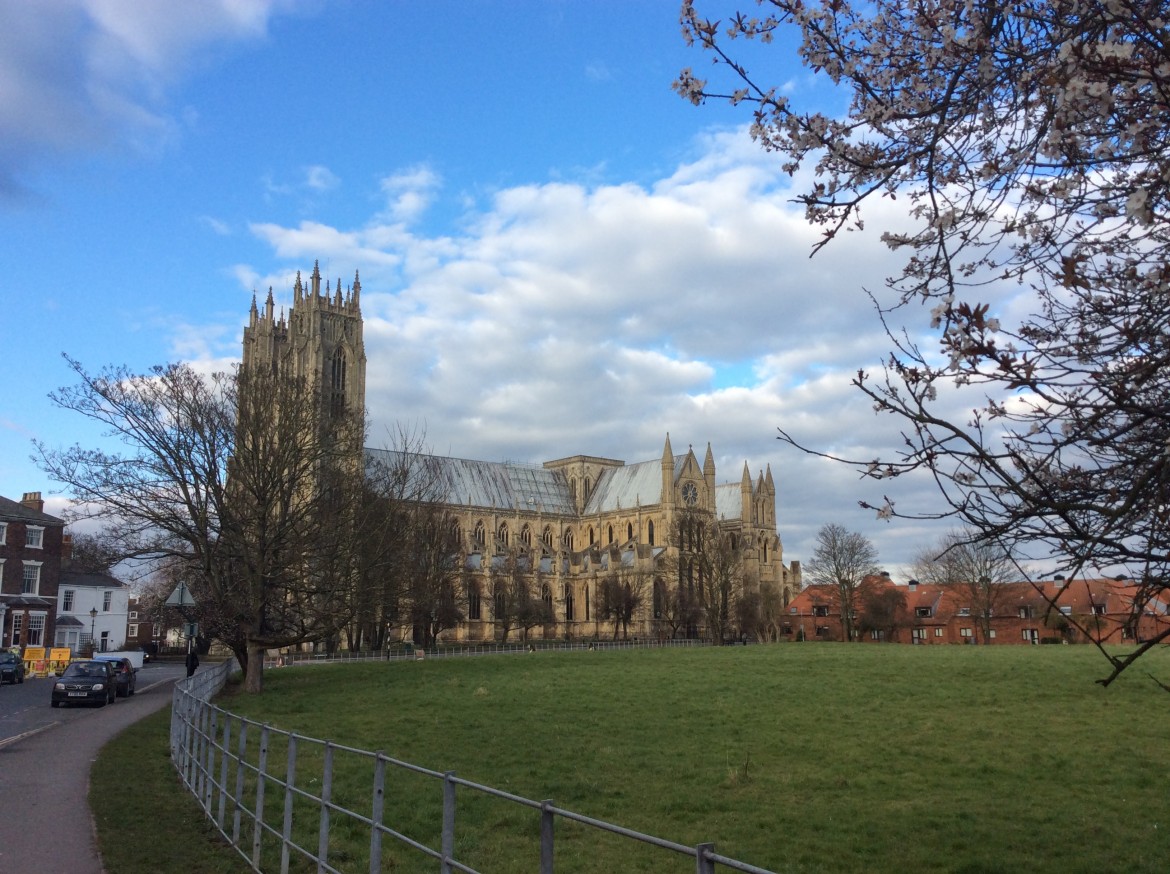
66 547
1058 581
33 501
913 585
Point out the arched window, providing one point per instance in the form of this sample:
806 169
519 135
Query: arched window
547 536
337 380
765 552
546 596
569 603
610 535
502 534
590 535
526 536
629 531
587 603
499 605
588 489
480 534
568 539
650 532
659 599
734 542
573 490
456 534
473 601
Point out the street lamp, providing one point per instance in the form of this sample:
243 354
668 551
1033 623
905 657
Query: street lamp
92 620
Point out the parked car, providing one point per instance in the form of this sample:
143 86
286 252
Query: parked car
86 682
125 674
11 668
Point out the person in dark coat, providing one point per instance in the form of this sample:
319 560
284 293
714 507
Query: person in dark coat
192 662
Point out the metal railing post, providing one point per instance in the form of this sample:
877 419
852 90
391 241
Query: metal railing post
448 848
547 832
703 865
241 769
224 755
376 813
261 778
290 779
326 797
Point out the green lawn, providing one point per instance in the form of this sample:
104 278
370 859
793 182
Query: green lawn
811 757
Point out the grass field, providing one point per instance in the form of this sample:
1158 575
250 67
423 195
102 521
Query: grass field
817 757
799 758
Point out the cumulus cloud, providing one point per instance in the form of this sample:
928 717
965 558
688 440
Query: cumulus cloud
569 318
85 73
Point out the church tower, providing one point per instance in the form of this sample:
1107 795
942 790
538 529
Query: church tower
320 341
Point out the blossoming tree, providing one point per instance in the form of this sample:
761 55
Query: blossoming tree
1028 142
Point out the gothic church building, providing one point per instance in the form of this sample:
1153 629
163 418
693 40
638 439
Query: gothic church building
572 521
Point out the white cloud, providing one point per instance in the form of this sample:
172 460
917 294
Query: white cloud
320 179
84 73
570 319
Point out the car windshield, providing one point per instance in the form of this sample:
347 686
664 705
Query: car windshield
7 657
85 669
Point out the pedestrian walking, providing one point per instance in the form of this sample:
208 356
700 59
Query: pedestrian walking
192 662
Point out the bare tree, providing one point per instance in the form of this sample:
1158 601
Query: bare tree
1029 141
842 559
239 476
621 593
977 567
95 552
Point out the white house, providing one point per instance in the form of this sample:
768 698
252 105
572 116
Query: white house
91 607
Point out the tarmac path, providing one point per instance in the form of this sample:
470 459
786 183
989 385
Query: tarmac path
47 827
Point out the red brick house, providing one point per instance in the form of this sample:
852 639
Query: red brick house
1051 611
30 569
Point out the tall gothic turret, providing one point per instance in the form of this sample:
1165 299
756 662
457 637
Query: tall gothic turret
320 340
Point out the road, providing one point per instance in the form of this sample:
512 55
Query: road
45 756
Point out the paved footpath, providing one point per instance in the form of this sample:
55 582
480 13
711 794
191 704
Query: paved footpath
47 827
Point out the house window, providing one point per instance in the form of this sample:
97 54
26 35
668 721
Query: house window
922 612
1066 611
133 614
35 537
918 635
67 601
1026 613
104 645
1098 609
3 533
1031 635
36 629
133 632
966 632
964 611
877 634
938 632
991 634
107 599
31 584
820 610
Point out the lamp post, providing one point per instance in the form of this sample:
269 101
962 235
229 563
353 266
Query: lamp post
92 620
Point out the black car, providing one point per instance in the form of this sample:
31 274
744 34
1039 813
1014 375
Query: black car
86 682
11 668
125 675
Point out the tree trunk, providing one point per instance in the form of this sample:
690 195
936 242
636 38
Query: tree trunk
254 674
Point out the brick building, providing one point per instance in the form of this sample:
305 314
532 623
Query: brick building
31 543
1050 611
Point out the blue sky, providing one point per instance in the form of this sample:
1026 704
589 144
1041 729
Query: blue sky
558 254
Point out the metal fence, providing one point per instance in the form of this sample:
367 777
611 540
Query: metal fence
336 806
